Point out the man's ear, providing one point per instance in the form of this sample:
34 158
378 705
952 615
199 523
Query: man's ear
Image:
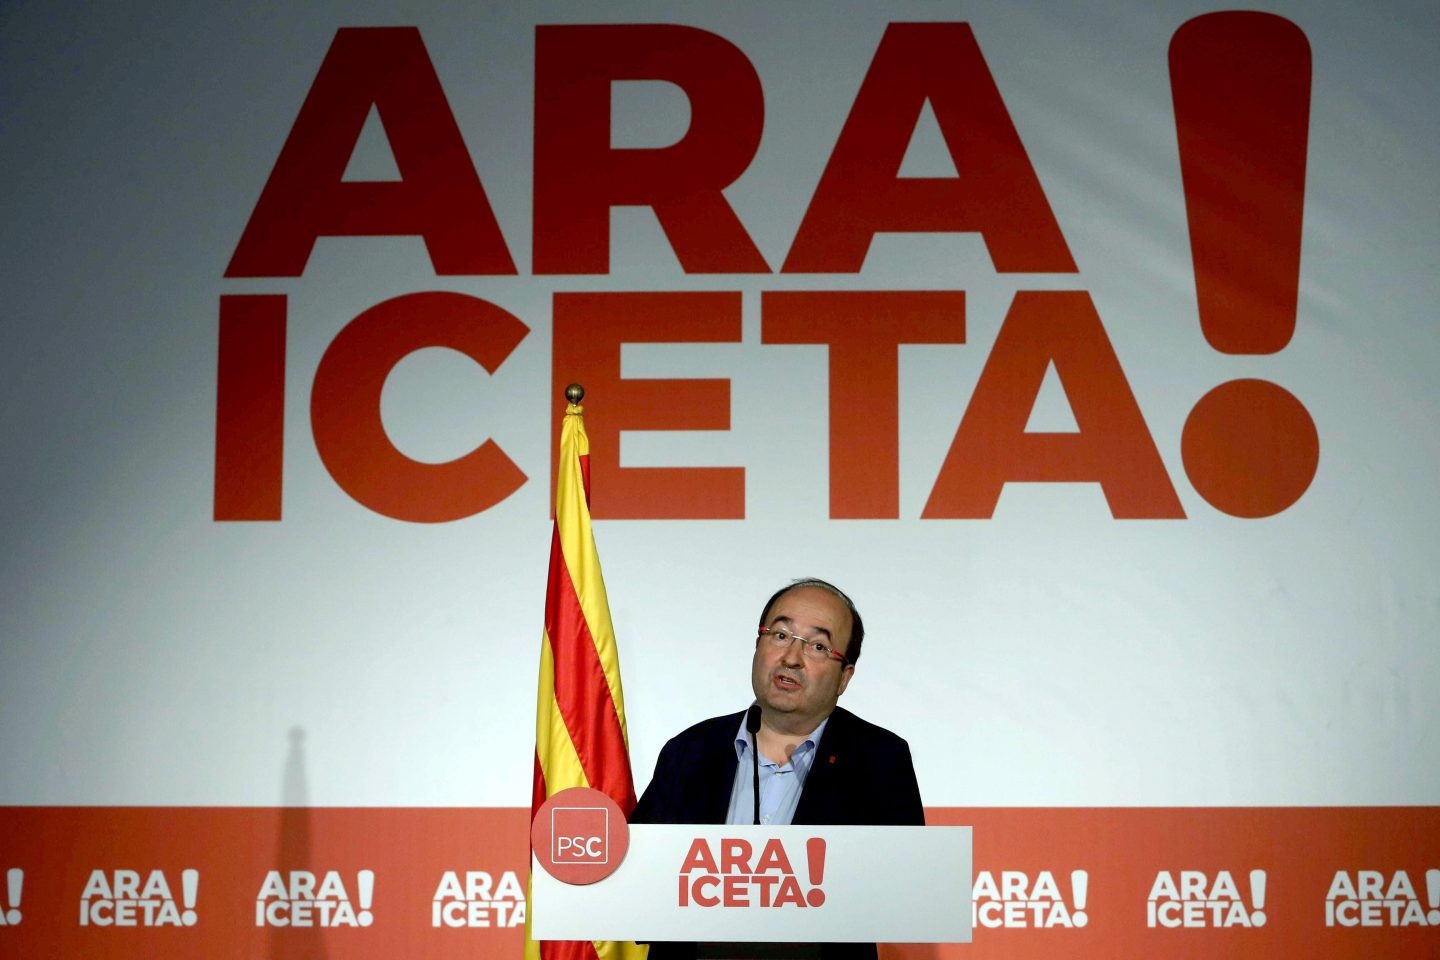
845 676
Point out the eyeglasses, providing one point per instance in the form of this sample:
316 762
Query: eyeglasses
812 649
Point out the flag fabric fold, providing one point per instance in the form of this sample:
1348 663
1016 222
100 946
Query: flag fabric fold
580 735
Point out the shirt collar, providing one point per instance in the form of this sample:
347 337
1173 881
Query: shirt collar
810 744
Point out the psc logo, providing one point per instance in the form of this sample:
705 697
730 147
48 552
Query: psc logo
579 836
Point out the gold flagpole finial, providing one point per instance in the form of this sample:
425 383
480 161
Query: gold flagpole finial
575 393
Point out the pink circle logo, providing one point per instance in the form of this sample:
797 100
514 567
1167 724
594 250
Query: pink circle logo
579 836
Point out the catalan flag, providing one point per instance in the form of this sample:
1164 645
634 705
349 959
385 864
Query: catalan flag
580 738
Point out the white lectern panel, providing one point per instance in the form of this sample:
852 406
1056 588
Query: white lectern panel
746 883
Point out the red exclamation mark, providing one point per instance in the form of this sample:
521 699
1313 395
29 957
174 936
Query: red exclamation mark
815 855
1257 897
189 887
1432 890
1241 85
366 881
1079 893
14 883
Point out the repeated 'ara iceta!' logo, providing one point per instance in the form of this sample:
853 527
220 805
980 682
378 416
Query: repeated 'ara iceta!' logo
126 898
1010 898
297 898
1369 898
1193 898
475 899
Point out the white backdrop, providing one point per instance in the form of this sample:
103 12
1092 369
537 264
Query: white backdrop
1049 656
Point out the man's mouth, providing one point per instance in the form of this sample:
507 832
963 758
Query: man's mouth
785 682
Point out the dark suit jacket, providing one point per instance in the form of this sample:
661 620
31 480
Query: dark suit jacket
862 775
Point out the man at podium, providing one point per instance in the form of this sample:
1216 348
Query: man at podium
794 756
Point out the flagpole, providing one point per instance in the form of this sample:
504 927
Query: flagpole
580 735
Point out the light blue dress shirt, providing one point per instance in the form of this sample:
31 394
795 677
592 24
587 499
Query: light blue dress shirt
780 784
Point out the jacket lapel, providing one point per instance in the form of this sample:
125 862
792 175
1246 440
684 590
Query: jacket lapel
716 772
824 795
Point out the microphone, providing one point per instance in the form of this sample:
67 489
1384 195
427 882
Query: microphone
752 724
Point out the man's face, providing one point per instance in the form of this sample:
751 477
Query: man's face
795 692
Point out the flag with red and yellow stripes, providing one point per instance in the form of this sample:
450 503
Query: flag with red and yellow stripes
580 737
